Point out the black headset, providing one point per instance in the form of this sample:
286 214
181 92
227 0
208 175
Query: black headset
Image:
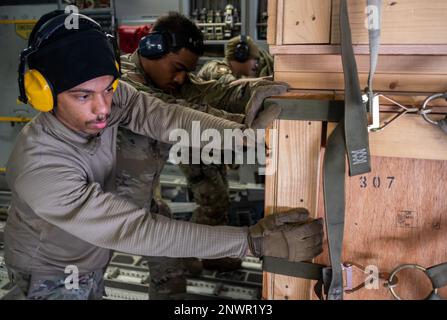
158 43
242 52
34 88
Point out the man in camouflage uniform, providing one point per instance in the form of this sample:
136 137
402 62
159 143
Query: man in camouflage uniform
140 160
259 63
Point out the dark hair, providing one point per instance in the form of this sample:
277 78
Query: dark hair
174 22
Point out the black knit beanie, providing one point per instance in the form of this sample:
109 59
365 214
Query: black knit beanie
73 56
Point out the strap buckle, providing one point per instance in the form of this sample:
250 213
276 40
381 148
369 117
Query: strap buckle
376 126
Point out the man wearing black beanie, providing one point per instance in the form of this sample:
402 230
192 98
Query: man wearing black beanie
65 218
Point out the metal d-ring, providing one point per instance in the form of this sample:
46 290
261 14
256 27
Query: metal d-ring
402 267
424 111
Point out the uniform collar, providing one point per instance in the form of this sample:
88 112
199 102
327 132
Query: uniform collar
79 140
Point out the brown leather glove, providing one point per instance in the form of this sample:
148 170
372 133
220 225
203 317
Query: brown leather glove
291 235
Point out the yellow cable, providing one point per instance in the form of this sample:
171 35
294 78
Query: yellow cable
14 119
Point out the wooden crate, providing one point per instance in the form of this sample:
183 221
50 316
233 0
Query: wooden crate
384 226
396 214
296 22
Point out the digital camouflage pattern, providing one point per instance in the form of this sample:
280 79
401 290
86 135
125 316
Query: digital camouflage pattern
221 70
46 287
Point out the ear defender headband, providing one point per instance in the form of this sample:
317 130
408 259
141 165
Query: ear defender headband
242 52
34 88
159 43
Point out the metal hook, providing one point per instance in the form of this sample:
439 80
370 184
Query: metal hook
424 111
379 127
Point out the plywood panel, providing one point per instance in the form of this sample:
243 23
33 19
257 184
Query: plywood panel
386 64
297 155
409 137
306 21
382 82
394 215
403 22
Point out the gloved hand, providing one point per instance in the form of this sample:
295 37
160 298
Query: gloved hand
291 235
266 117
263 89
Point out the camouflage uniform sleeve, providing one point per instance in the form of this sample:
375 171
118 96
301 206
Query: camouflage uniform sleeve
147 115
265 67
214 70
136 80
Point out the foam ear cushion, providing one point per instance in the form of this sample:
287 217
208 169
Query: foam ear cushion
38 91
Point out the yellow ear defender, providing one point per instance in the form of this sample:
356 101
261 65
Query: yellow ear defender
38 91
34 88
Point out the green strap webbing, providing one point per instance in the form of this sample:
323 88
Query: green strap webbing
334 195
355 121
306 270
351 137
438 275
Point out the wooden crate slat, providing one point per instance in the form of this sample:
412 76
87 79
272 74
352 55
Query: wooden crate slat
386 64
298 154
403 22
382 82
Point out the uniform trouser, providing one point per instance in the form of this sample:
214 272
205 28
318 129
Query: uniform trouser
209 186
90 286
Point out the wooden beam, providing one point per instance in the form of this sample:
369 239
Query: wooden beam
409 137
407 49
297 156
382 82
386 64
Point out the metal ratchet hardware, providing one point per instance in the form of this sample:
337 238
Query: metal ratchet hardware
376 126
407 266
349 287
